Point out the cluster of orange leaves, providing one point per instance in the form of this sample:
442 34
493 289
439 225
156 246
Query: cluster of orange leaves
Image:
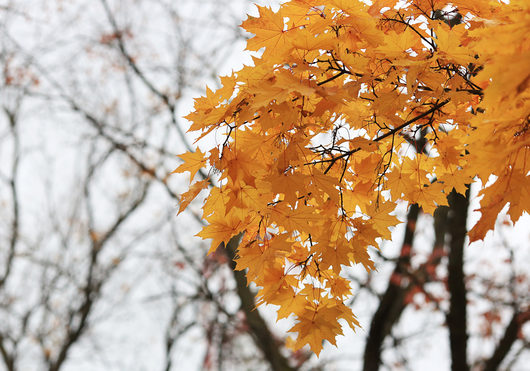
320 138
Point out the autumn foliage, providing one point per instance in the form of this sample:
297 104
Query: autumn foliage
349 110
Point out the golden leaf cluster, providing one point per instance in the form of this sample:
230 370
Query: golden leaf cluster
349 110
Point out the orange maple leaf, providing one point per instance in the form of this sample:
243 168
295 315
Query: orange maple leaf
194 190
193 162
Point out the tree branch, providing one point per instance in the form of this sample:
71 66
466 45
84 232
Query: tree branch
13 188
510 336
261 334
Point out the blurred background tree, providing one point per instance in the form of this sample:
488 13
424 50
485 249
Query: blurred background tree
96 272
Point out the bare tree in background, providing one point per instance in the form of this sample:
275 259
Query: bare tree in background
95 270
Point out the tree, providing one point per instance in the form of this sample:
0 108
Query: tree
350 110
95 272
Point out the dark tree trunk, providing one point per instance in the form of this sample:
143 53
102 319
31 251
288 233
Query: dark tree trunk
457 316
392 302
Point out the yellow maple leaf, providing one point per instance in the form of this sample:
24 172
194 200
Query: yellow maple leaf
380 217
221 228
193 162
269 30
194 190
316 324
428 196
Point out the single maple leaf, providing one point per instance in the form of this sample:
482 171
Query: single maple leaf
221 228
316 324
380 216
193 191
193 162
269 31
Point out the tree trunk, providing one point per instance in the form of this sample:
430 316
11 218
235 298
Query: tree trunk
457 316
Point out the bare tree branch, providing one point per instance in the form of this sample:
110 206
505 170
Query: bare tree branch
508 339
263 337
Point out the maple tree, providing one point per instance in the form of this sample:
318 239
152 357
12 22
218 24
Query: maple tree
349 110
